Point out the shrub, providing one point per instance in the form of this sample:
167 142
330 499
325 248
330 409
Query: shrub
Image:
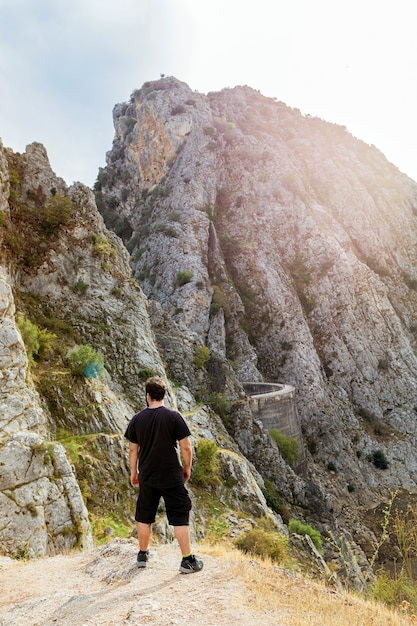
177 110
201 356
219 403
394 591
145 373
298 528
206 466
263 543
288 446
379 459
218 301
37 341
80 286
102 246
271 496
184 277
56 211
84 361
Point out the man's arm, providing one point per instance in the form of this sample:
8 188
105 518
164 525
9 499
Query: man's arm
133 461
187 456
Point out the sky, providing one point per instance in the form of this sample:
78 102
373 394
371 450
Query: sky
64 64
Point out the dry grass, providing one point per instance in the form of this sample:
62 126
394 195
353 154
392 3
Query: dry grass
293 600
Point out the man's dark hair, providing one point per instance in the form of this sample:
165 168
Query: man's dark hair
156 388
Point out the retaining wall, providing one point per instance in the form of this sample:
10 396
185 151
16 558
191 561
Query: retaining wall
274 405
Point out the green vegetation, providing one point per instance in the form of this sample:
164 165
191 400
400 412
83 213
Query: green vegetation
38 342
201 356
298 528
379 459
84 361
108 526
264 543
206 465
56 211
393 592
288 446
218 301
80 287
145 373
272 500
184 277
165 229
102 246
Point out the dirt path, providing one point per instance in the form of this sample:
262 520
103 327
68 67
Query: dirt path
105 588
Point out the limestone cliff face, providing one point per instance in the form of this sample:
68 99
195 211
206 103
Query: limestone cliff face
63 457
288 248
42 508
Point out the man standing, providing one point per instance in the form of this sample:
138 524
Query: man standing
155 467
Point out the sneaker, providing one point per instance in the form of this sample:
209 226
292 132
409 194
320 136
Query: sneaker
142 558
190 564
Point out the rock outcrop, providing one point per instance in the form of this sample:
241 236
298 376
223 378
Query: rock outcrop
42 508
63 457
288 248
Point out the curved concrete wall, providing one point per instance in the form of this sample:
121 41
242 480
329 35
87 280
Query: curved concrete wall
274 405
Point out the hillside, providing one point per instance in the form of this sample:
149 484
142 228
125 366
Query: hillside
295 246
229 239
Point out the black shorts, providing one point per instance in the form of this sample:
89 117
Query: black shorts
177 504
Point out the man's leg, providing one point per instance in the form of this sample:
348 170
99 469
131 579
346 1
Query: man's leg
182 535
144 536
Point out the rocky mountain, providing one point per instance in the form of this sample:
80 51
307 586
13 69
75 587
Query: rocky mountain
264 245
67 290
287 247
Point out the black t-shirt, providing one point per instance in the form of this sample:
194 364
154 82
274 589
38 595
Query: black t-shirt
157 432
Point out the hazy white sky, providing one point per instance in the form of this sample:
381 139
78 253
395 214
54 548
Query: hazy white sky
64 64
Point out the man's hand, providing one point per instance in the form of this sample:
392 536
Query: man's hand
187 456
134 479
133 461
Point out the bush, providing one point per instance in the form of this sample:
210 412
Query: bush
271 495
56 211
102 246
288 446
379 459
184 277
178 110
263 543
145 373
37 341
394 591
206 466
84 361
201 356
298 528
80 287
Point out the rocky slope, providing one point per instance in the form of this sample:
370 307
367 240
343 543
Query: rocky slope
265 246
66 284
288 248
